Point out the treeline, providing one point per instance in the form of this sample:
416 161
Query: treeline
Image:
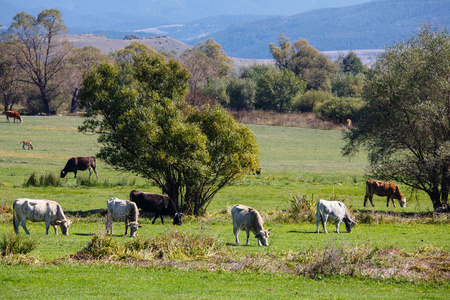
40 72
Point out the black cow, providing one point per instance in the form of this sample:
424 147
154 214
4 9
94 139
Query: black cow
158 204
81 163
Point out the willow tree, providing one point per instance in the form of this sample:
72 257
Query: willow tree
405 123
146 128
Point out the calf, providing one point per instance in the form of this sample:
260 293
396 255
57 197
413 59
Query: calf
13 114
337 211
384 188
39 211
26 144
160 205
122 210
247 218
80 163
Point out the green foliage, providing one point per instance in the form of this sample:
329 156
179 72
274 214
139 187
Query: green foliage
350 63
189 153
404 123
277 89
241 93
46 179
348 84
131 37
308 101
339 109
16 244
214 51
304 60
98 247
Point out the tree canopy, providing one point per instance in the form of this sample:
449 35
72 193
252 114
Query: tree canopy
405 122
145 127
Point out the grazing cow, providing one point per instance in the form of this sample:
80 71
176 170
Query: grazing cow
122 210
26 143
160 205
384 188
39 211
337 211
349 123
80 163
13 114
247 218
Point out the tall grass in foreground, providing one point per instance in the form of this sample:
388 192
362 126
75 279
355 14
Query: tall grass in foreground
16 244
46 179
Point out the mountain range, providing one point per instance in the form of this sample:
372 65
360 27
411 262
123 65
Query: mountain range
245 28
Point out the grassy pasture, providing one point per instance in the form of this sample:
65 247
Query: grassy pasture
295 161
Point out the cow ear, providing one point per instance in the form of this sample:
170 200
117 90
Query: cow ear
58 222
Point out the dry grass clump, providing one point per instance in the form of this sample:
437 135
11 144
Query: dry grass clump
42 180
390 217
12 244
306 120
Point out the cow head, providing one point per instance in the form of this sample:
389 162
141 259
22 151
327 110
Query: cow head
133 228
262 237
349 224
402 202
177 219
63 173
64 225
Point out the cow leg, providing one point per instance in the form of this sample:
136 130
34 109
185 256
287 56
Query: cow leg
156 217
56 231
95 170
248 236
365 199
24 226
47 226
371 202
324 223
162 219
337 226
317 220
126 227
75 172
109 229
236 234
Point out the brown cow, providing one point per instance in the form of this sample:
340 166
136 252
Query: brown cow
81 163
26 144
384 188
13 114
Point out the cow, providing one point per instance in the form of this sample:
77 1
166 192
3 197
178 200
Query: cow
13 114
247 218
337 211
160 205
39 211
26 144
349 123
122 210
80 163
384 188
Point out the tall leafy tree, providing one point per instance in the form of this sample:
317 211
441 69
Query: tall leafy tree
39 50
11 90
405 123
304 60
145 128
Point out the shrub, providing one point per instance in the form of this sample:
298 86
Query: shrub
339 109
15 244
308 101
100 246
43 180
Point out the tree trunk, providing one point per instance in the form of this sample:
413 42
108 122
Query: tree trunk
46 102
75 103
435 197
445 185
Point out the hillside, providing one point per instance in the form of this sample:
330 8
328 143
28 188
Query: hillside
106 45
366 26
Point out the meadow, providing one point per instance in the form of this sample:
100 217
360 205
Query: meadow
296 162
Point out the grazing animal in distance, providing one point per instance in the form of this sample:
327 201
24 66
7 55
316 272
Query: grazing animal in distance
122 210
13 114
337 211
46 211
247 218
26 143
349 123
384 188
160 205
80 163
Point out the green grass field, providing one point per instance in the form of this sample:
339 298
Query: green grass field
295 161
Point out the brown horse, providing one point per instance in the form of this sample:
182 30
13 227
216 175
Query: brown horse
13 114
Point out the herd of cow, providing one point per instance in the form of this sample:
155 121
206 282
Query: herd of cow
243 217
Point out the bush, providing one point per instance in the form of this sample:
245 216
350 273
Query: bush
100 247
308 101
43 180
15 244
339 109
